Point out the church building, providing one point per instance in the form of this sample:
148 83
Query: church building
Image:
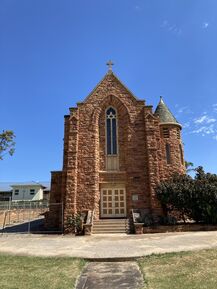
116 150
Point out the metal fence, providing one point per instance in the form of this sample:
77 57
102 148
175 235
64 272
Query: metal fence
7 205
29 217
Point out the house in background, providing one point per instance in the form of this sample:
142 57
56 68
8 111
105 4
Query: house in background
25 191
5 192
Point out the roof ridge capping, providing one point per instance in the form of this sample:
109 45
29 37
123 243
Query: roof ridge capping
165 115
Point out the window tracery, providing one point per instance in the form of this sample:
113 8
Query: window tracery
111 131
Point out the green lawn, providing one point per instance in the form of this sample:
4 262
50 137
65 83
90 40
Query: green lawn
19 272
186 270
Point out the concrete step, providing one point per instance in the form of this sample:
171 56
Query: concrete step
112 220
109 223
110 226
110 229
109 232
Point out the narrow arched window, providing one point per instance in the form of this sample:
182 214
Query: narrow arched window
168 154
111 131
181 154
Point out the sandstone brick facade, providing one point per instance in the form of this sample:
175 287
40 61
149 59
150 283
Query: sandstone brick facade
142 156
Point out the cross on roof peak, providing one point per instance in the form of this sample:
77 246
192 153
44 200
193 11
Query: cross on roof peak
110 63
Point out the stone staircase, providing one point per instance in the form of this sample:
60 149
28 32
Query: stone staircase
111 226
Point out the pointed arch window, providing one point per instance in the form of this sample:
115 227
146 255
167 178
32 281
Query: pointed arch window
111 131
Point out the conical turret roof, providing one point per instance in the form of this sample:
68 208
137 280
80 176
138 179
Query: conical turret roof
165 115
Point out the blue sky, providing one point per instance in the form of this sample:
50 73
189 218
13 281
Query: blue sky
53 53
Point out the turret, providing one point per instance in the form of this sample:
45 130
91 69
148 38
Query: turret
171 142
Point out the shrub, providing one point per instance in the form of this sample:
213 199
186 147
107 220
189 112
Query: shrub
75 223
148 220
167 220
193 198
176 194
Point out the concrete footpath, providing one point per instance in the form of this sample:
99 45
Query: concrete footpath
106 247
111 275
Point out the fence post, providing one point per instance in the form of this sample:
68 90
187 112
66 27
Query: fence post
9 215
5 216
29 224
18 213
22 207
62 219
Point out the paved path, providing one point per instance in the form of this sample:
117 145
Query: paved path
106 246
111 275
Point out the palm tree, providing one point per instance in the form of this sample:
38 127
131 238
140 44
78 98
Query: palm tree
189 166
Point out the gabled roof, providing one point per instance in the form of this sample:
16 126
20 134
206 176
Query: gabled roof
110 73
165 115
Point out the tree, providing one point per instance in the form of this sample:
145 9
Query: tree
7 143
206 189
175 195
189 166
195 198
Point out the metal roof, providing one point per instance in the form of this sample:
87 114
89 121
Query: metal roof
7 186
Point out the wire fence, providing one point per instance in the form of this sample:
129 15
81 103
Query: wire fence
7 205
29 217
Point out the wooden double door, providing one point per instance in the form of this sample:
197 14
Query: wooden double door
113 202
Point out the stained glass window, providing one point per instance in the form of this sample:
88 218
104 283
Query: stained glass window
111 131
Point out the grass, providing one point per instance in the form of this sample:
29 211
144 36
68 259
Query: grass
185 270
19 272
